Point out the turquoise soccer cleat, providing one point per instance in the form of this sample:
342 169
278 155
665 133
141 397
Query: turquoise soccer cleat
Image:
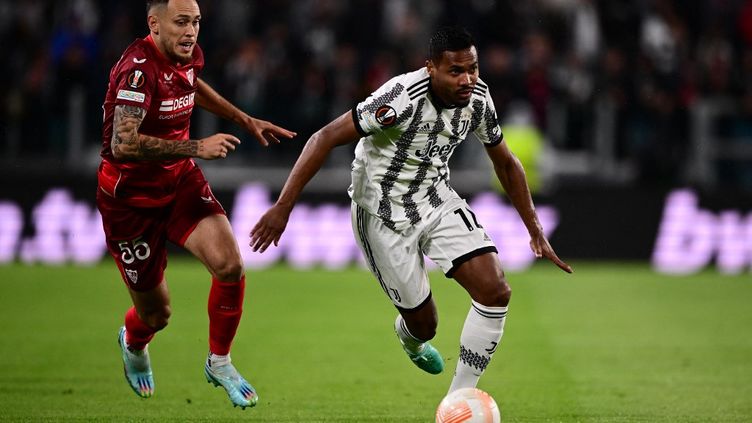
427 359
241 392
137 368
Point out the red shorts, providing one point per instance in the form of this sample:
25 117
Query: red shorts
136 235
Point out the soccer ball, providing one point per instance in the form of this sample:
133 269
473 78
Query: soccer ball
468 405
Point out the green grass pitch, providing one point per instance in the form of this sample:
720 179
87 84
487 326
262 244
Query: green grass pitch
611 343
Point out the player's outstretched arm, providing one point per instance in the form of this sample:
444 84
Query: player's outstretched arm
127 144
265 132
271 225
511 174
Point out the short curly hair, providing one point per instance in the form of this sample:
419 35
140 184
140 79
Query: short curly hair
449 38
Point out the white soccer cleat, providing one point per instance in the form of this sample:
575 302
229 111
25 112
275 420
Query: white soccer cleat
241 392
137 368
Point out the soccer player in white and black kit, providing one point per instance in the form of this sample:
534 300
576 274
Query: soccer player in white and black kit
404 207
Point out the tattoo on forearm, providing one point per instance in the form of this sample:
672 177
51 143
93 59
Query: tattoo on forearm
129 144
125 125
156 148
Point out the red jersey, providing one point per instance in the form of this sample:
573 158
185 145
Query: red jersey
145 78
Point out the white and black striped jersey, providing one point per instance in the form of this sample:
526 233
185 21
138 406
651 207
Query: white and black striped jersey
400 169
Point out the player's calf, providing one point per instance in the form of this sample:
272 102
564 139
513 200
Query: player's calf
481 335
420 352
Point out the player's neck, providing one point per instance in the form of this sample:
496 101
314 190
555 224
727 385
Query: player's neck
437 101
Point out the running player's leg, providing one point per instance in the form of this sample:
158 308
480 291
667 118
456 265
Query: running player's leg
213 242
461 247
149 314
483 278
136 241
414 328
199 224
397 263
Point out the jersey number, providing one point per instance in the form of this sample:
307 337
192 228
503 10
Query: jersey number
470 227
134 250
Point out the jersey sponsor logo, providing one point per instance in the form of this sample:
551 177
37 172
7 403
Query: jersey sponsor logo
139 61
167 77
176 115
433 150
189 75
131 96
173 104
136 79
386 115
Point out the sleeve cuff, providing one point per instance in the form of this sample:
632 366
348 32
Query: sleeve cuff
497 142
354 114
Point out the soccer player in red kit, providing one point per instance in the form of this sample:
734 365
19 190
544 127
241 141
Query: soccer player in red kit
150 190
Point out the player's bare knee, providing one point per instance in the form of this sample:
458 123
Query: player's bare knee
496 294
229 270
506 294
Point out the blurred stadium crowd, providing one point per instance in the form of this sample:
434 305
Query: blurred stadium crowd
658 88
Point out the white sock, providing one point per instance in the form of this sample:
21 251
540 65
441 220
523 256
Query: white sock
218 360
480 337
409 342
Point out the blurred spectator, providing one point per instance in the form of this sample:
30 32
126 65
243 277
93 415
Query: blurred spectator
644 65
536 61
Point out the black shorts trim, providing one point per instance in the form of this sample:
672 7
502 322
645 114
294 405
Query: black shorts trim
360 219
354 114
463 258
418 307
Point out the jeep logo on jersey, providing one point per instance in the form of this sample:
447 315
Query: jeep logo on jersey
173 104
433 149
136 79
386 115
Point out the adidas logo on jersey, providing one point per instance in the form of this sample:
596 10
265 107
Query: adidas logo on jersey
426 127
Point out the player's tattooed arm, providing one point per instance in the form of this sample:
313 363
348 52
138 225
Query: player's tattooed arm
128 144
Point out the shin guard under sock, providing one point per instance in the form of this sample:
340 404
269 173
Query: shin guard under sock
137 333
225 310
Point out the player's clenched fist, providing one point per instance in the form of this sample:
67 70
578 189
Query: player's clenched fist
216 146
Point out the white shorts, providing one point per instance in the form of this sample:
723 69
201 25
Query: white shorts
396 259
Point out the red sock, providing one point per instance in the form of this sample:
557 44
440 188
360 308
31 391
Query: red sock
225 309
137 333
